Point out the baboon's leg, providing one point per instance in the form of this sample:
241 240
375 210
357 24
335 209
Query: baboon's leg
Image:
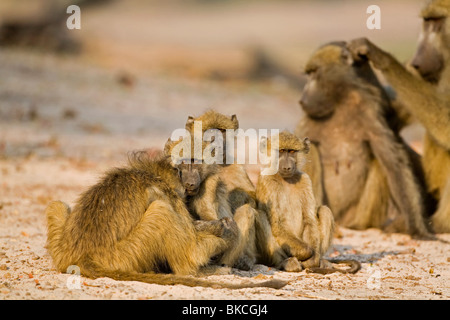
245 220
269 251
312 237
163 237
372 207
440 220
56 213
295 247
326 228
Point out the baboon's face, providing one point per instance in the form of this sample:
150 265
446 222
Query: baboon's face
314 101
287 163
191 177
428 60
328 71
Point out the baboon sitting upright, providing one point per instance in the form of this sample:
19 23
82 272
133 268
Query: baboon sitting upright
365 171
207 196
301 229
240 189
134 223
426 97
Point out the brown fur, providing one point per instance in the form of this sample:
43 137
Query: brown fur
302 231
366 170
207 200
132 225
240 190
426 97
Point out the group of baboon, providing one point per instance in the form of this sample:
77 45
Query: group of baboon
163 219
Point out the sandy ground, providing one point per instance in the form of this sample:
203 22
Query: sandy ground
64 121
60 130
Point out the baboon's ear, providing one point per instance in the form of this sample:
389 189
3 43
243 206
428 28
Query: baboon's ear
167 147
189 122
235 120
306 144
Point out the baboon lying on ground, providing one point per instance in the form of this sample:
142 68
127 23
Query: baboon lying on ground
302 231
359 166
426 97
207 196
133 224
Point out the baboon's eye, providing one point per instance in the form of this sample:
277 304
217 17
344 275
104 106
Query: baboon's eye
281 151
291 151
433 18
311 70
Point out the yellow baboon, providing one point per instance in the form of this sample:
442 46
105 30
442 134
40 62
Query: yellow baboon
426 97
240 189
302 231
134 224
207 196
367 174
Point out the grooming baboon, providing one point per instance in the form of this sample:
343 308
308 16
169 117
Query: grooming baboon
207 198
365 170
134 223
426 97
301 229
240 190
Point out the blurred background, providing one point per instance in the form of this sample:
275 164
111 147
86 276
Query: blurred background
138 68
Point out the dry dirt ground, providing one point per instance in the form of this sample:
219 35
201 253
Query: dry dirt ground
64 121
61 129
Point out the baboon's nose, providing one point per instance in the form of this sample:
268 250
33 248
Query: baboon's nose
189 185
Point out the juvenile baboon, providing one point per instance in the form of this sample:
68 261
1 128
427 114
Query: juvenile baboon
207 197
240 189
134 224
365 170
302 231
426 97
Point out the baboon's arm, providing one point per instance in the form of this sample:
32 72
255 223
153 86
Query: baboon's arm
419 97
396 165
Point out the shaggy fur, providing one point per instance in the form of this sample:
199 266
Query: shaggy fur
134 223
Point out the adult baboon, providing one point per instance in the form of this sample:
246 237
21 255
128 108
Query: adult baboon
301 229
207 198
134 223
365 171
427 97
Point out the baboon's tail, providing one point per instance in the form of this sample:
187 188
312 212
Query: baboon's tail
56 213
354 266
92 271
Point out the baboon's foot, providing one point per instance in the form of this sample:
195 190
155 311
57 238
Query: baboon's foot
291 265
244 263
300 250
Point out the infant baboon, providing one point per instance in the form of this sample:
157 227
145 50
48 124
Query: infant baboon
425 96
302 230
366 171
134 223
207 196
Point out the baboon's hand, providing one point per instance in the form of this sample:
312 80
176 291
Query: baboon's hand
214 227
360 48
230 229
